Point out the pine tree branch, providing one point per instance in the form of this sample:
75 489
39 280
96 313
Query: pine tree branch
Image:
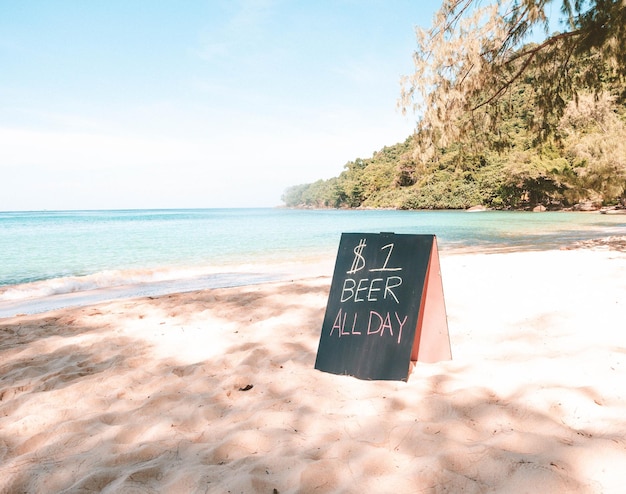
530 54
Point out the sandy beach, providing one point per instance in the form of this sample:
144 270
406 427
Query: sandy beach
215 390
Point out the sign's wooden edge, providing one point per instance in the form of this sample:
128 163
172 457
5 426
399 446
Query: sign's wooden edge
432 338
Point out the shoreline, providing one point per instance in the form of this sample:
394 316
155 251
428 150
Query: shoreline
46 295
215 390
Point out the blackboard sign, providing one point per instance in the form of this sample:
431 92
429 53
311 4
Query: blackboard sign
378 306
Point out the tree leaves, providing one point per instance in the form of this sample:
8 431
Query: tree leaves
474 52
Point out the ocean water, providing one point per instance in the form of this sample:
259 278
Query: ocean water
54 259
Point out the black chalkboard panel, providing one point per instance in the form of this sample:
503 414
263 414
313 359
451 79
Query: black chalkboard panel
373 306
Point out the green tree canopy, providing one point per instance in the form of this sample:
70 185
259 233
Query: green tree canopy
474 51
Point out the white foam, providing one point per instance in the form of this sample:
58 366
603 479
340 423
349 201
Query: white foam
39 301
102 280
74 291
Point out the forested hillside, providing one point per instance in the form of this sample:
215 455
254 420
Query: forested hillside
503 127
578 158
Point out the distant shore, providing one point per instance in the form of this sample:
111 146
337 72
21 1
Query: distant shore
578 208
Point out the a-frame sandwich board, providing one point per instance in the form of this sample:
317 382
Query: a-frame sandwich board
385 307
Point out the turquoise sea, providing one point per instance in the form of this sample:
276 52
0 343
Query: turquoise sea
53 259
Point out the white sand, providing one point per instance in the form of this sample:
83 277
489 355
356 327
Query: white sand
147 395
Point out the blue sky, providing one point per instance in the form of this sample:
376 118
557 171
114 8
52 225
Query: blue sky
164 104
